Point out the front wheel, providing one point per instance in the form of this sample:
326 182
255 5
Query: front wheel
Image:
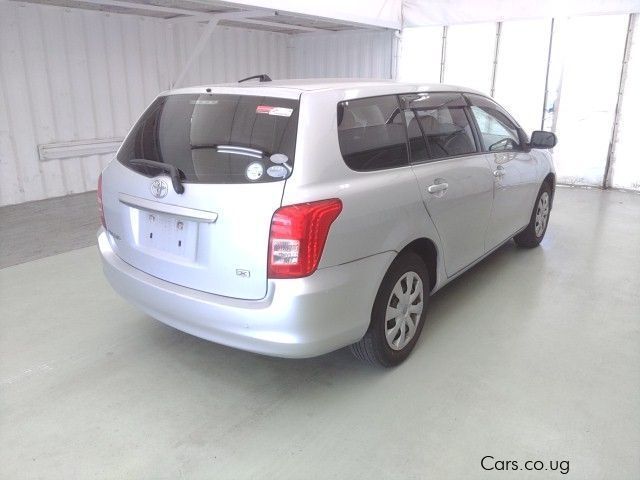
398 313
531 236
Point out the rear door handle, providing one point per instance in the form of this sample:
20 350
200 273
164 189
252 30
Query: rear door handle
437 187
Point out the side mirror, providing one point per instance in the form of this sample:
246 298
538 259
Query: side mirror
542 139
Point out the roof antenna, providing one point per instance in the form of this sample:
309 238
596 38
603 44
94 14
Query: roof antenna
262 77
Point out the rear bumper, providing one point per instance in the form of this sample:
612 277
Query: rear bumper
298 318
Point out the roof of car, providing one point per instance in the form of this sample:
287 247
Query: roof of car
334 84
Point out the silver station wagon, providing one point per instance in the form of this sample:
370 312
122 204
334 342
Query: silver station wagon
293 218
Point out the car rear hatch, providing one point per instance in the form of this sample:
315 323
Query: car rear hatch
232 154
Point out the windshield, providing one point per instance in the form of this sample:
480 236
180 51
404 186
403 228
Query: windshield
216 138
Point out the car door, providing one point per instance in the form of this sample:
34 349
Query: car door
514 169
455 180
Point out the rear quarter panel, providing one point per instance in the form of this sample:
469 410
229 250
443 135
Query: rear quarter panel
382 211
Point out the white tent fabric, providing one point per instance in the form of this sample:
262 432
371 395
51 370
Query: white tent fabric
417 13
582 90
589 67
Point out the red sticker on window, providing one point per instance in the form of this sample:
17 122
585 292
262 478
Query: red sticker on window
278 111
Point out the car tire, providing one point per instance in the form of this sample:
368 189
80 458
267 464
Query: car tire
533 234
407 276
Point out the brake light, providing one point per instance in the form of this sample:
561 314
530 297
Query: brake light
100 207
297 237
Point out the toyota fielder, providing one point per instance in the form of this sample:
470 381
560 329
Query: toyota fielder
292 218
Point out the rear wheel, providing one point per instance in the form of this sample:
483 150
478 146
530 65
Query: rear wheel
398 313
534 233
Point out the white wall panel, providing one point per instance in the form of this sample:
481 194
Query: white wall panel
590 50
626 160
70 74
469 55
361 54
521 70
420 55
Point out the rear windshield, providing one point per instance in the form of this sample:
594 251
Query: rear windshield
216 138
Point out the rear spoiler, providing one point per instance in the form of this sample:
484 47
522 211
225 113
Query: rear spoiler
263 77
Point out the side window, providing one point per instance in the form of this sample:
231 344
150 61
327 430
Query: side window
498 131
371 133
443 122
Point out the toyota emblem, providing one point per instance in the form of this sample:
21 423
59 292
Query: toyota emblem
159 188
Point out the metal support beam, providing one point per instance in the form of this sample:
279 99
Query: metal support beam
204 38
181 13
396 51
496 52
306 9
143 6
606 181
205 17
443 55
285 26
546 77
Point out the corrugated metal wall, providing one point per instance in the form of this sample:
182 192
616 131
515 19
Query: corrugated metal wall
231 54
366 54
70 74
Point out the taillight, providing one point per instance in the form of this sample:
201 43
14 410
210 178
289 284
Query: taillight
297 237
100 207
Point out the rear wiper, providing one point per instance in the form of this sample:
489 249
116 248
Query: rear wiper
228 148
176 174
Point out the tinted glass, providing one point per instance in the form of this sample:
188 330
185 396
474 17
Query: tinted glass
498 130
371 133
442 119
417 145
215 138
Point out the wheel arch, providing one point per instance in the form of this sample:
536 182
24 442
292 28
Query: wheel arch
428 251
551 180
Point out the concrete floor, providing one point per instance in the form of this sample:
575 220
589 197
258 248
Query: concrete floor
39 229
532 355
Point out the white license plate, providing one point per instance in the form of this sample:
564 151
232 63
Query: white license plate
165 233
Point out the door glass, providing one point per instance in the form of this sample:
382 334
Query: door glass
442 121
498 130
496 135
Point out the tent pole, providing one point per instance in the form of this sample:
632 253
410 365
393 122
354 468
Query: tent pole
495 58
396 51
443 55
606 180
546 78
